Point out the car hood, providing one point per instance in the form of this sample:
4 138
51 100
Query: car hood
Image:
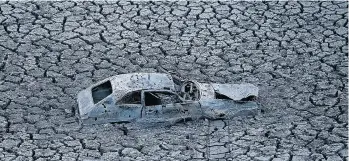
236 91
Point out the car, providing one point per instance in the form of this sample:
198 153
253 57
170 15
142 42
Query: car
153 97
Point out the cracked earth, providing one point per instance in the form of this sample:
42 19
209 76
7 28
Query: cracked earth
296 52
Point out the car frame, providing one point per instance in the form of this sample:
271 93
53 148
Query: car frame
148 99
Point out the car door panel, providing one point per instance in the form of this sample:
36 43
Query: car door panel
109 111
152 114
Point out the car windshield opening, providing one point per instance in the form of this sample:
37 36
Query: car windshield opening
101 91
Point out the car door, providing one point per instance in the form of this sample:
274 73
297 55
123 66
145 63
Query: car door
152 107
183 111
123 110
129 107
166 106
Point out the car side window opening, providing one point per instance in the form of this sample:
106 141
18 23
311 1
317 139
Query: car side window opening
131 98
160 98
101 91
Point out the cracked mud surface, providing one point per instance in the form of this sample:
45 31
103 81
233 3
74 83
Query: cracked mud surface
296 52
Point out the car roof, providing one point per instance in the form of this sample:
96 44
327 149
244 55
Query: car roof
125 83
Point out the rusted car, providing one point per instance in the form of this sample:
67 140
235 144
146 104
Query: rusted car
153 97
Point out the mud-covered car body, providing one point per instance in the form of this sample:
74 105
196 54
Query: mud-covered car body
152 97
